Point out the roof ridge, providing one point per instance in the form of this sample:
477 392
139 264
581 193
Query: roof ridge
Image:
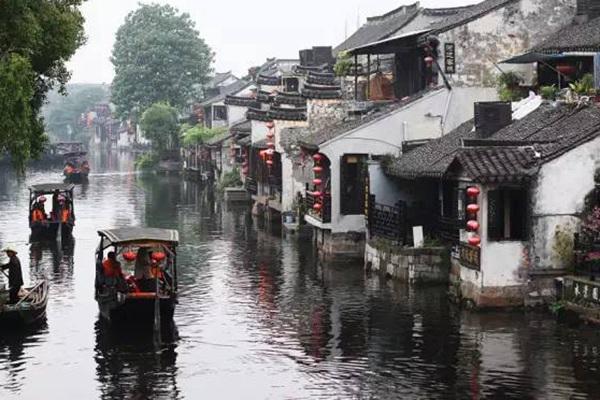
404 7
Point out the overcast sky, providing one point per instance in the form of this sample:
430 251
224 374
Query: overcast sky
243 33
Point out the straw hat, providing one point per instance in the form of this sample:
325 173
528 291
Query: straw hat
9 249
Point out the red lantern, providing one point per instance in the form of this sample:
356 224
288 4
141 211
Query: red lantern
317 207
473 226
317 157
317 194
429 60
129 256
270 125
474 240
245 164
270 135
245 170
317 181
269 152
318 169
262 154
473 191
270 163
271 145
473 208
158 256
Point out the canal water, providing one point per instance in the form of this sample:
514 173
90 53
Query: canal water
260 318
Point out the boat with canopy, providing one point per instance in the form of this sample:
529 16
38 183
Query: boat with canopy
136 274
53 219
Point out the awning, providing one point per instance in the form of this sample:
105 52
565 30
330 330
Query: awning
405 41
532 57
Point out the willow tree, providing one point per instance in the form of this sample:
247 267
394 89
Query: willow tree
158 57
37 38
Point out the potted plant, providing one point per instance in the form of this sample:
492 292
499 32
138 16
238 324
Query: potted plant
509 86
549 92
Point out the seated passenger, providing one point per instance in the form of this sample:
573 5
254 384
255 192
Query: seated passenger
142 265
37 214
111 267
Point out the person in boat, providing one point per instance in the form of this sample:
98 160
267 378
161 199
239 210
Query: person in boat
15 275
38 213
65 211
111 269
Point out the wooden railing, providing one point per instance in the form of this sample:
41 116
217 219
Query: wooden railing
387 222
325 214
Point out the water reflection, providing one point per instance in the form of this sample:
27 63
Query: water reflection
129 365
260 317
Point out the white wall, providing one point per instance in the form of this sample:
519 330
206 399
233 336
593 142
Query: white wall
385 190
236 114
385 136
559 195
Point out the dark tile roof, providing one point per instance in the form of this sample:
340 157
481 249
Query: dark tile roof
321 79
432 159
469 14
243 127
379 110
305 69
499 164
287 114
241 101
294 99
226 91
219 78
268 80
311 91
543 135
378 28
583 37
255 114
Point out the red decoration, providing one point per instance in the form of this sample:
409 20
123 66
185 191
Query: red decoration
317 181
158 256
565 69
473 191
271 145
129 256
317 207
317 157
245 170
269 152
317 194
474 240
262 154
428 60
270 135
269 163
473 226
270 125
318 169
473 208
245 164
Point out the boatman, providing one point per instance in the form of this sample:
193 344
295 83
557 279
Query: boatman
15 275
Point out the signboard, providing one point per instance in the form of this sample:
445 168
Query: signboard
469 256
449 58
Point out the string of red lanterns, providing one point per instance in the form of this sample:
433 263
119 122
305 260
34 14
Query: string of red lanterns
319 193
270 152
473 210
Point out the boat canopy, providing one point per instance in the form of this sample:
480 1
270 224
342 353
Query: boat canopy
48 188
137 235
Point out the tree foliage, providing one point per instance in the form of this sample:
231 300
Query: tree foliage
158 57
36 39
159 125
63 113
200 134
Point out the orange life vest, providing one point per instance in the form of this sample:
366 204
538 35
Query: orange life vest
37 216
111 269
65 214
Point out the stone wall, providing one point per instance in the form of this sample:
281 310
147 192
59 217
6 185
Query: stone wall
339 246
412 265
323 114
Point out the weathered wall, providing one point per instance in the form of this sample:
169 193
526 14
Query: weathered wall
290 186
426 265
501 34
323 114
558 197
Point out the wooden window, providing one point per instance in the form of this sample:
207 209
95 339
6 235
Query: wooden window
220 113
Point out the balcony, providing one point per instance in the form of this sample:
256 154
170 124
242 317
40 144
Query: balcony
324 215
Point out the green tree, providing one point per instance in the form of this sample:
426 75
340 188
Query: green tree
158 57
160 125
63 113
36 39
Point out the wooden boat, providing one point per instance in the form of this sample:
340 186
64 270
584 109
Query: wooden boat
59 222
141 300
30 309
77 168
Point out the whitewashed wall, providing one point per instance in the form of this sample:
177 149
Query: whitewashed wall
558 197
